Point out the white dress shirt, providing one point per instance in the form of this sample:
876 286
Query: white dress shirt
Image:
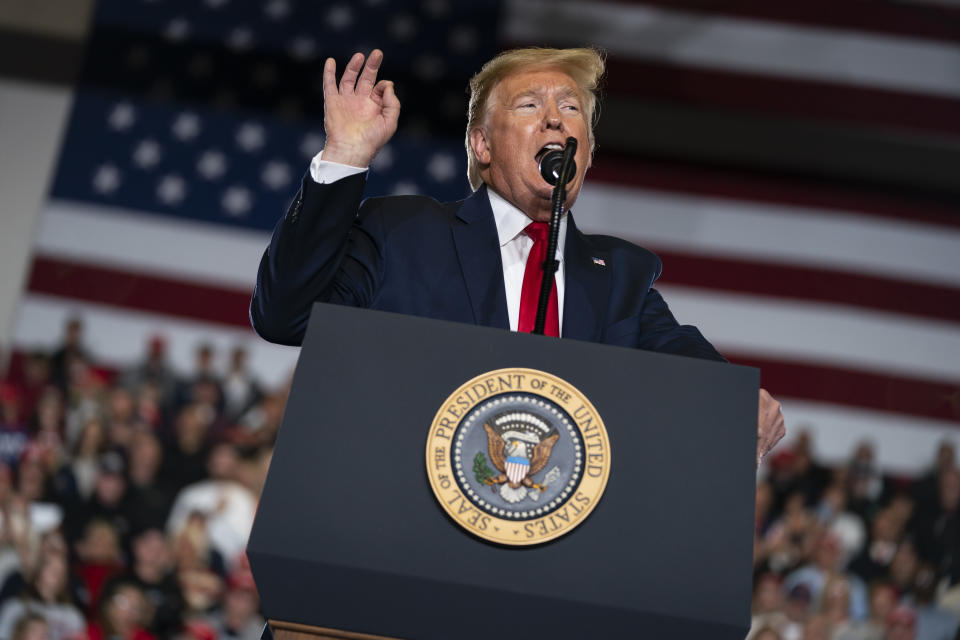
515 245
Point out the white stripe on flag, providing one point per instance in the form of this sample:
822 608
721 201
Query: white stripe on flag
118 337
741 44
821 333
195 251
772 232
659 220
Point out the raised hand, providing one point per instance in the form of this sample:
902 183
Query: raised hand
360 115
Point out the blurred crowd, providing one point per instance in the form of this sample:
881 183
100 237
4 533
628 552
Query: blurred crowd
850 553
127 496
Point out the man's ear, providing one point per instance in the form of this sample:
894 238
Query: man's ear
478 142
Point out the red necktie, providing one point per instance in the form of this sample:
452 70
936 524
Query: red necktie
532 277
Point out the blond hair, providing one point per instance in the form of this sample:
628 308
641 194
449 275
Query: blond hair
584 65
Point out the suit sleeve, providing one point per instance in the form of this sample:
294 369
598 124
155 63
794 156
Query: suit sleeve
322 250
661 332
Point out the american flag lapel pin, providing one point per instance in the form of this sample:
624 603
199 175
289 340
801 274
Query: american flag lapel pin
599 261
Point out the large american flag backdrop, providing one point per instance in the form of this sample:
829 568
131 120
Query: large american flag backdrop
796 166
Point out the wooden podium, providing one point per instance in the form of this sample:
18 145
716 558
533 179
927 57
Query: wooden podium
292 631
350 542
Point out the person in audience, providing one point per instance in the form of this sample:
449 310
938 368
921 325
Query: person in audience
263 419
835 604
797 608
227 505
185 455
122 614
153 571
817 628
901 624
200 568
239 617
938 530
47 595
35 488
29 550
883 600
32 381
31 627
903 507
13 428
154 372
204 386
866 481
933 621
766 633
767 607
108 503
825 564
152 406
904 567
98 558
85 465
70 352
122 420
150 499
790 538
845 525
926 490
811 478
240 387
873 561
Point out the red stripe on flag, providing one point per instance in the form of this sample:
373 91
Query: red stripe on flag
760 93
837 385
629 171
811 283
916 20
139 291
149 293
169 296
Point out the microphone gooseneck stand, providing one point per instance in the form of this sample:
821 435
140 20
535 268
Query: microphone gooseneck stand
557 168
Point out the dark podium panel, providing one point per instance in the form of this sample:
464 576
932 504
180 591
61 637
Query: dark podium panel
349 535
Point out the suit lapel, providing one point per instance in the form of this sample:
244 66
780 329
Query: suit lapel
586 287
478 249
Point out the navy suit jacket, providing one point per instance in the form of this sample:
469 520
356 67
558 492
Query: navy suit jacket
414 255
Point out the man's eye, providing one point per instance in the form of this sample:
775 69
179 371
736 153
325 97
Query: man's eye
571 107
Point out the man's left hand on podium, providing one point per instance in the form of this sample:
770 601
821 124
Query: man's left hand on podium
770 425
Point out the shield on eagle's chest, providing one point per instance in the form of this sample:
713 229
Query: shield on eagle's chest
517 468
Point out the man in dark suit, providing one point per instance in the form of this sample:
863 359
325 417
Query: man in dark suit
468 261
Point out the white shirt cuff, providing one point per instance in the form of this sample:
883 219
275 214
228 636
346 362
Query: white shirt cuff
326 172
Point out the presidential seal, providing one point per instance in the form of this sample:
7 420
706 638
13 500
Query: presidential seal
518 456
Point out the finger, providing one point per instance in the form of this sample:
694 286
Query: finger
775 435
330 77
349 79
369 76
388 99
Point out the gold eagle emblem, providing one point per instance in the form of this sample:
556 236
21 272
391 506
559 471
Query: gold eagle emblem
502 451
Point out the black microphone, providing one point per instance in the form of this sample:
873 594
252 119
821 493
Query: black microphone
552 161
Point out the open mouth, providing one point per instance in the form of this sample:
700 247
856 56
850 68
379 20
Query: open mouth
552 146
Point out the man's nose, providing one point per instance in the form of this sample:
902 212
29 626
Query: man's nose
551 118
